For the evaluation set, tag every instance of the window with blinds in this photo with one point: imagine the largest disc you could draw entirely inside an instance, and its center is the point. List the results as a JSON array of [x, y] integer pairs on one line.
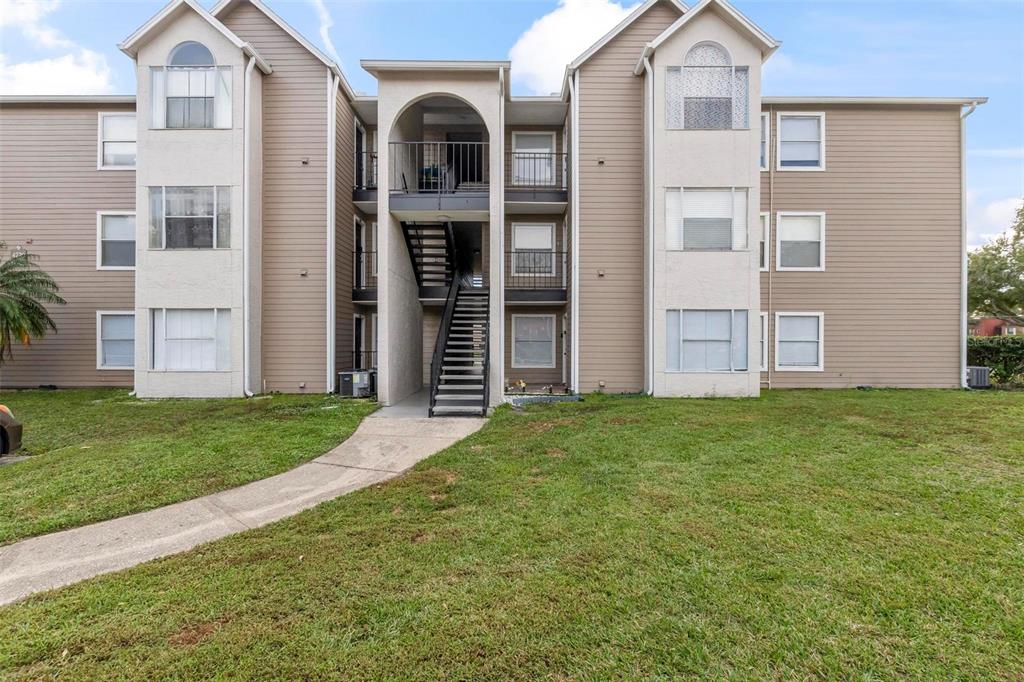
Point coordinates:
[[115, 348], [801, 142], [801, 241], [708, 92], [191, 340], [706, 341], [706, 219], [799, 341], [191, 91], [190, 217]]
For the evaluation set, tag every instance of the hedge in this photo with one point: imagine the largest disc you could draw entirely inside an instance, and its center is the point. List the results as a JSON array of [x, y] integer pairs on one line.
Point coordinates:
[[1003, 354]]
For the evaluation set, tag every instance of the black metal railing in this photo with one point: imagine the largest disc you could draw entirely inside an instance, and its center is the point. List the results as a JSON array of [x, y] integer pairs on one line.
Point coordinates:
[[365, 171], [360, 359], [438, 167], [536, 170], [437, 360], [535, 269], [364, 269]]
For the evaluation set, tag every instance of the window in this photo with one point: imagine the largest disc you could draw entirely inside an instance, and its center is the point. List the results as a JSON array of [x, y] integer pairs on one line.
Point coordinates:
[[115, 339], [115, 240], [801, 142], [707, 92], [766, 228], [533, 341], [533, 248], [116, 148], [800, 241], [191, 340], [799, 342], [765, 136], [706, 341], [191, 91], [533, 159], [706, 219], [764, 342], [190, 217]]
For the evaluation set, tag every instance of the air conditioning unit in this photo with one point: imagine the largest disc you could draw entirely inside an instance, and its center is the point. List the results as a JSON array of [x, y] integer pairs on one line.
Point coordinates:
[[357, 383], [977, 377]]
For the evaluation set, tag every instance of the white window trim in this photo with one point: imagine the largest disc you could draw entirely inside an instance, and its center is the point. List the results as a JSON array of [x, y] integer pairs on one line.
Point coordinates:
[[554, 346], [732, 328], [767, 241], [163, 335], [554, 244], [682, 192], [778, 242], [764, 342], [550, 133], [99, 339], [99, 141], [766, 127], [163, 220], [99, 240], [778, 142], [821, 342]]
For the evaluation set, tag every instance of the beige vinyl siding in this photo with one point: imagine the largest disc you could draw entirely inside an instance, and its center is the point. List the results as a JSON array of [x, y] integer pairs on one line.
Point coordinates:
[[294, 205], [50, 191], [891, 286], [535, 377], [611, 308]]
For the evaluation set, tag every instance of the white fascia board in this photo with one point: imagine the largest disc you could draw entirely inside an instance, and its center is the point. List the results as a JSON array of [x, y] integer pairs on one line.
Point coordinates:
[[374, 66], [67, 99], [622, 25], [225, 6], [934, 101], [767, 43]]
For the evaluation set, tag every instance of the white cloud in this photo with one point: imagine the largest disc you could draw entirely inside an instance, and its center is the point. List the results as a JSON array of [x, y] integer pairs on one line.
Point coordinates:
[[326, 22], [77, 72], [541, 53], [28, 16], [986, 221], [81, 73]]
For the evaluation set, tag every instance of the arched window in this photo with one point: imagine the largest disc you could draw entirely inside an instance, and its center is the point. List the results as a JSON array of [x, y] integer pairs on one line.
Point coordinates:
[[707, 92], [191, 53], [191, 91]]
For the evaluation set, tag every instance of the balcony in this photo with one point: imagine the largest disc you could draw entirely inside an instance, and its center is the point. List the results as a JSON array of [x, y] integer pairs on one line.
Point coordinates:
[[536, 177], [364, 276], [536, 276]]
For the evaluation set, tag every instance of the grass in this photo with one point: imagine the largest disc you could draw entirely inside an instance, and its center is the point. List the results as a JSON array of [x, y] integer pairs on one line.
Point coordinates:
[[98, 454], [807, 534]]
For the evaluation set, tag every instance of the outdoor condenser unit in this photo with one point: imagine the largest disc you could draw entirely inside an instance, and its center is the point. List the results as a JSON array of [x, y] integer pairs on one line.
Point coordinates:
[[357, 383], [977, 377]]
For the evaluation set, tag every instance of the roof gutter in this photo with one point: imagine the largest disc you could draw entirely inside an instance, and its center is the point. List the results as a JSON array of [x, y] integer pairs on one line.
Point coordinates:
[[246, 211], [963, 239]]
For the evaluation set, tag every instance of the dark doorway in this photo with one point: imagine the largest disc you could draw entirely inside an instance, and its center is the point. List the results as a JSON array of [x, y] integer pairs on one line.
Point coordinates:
[[466, 160], [357, 343]]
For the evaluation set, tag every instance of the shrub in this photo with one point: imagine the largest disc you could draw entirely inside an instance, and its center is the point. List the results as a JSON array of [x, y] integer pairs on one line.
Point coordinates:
[[1003, 354]]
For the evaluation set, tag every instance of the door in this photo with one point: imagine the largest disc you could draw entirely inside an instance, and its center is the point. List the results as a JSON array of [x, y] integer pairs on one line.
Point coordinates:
[[359, 274], [357, 342], [533, 159], [360, 156], [465, 159]]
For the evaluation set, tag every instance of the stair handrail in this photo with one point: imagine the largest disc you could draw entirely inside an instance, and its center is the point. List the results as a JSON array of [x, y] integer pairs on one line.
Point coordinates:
[[437, 360], [487, 360]]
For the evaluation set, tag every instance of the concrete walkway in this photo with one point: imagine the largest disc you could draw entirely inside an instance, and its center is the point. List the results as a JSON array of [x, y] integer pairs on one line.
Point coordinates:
[[381, 448]]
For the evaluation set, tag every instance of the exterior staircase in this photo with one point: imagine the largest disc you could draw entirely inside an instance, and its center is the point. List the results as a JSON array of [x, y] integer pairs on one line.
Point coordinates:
[[459, 372], [432, 250]]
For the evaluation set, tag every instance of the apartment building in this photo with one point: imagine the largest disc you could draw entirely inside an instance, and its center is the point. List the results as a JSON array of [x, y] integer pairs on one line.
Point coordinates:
[[248, 223]]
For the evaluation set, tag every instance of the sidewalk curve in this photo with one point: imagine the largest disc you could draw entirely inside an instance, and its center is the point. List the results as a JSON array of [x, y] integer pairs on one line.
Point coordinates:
[[381, 448]]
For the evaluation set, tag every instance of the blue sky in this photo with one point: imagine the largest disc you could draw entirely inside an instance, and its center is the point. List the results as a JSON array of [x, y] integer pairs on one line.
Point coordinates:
[[830, 47]]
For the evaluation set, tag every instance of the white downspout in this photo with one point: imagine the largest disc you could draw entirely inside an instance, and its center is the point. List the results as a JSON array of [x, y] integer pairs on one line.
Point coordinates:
[[501, 236], [963, 243], [650, 224], [574, 90], [246, 189], [332, 93]]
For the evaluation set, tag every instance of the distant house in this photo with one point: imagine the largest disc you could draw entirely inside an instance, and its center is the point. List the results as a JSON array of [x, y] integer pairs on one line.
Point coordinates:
[[994, 326]]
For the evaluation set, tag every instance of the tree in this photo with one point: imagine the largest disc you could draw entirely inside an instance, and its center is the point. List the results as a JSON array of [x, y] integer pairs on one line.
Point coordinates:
[[995, 275], [24, 290]]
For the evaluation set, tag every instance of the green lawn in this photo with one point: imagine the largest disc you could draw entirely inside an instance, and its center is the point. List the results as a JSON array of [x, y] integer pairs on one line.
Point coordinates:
[[98, 454], [807, 534]]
